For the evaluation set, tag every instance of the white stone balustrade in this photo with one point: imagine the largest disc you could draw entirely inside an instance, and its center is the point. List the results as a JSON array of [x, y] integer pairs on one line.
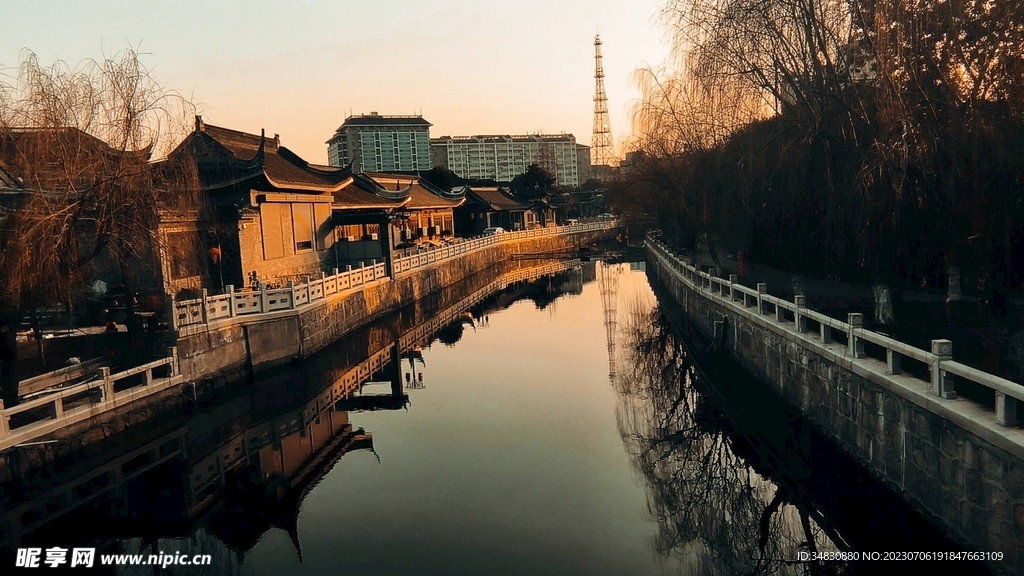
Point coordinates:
[[60, 407], [941, 367], [201, 311]]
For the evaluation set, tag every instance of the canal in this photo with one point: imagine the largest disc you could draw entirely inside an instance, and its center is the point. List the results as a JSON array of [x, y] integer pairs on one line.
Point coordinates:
[[557, 426]]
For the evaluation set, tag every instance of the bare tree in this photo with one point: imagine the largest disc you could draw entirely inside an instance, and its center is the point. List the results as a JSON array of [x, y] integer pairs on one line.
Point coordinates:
[[82, 141]]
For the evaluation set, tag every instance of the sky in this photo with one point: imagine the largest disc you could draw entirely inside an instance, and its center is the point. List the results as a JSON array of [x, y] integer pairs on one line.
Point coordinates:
[[297, 68]]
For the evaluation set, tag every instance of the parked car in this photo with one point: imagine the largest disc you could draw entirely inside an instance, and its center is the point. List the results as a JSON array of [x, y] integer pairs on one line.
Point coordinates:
[[493, 231], [606, 216], [571, 222]]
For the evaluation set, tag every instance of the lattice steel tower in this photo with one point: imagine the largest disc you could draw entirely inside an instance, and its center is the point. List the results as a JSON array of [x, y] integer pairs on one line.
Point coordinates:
[[608, 285], [601, 143]]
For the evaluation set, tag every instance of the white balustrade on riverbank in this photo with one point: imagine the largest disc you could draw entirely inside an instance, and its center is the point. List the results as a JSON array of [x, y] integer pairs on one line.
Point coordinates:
[[203, 310], [55, 408], [796, 318]]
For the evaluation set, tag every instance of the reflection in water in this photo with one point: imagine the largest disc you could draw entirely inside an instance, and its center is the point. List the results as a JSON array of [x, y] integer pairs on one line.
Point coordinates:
[[218, 481], [711, 506], [500, 451], [740, 482]]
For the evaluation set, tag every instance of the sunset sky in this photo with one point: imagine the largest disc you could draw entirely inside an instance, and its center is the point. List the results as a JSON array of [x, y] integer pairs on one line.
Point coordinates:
[[297, 68]]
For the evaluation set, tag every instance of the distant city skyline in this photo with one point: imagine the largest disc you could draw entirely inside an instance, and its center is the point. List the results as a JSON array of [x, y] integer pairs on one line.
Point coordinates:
[[298, 69]]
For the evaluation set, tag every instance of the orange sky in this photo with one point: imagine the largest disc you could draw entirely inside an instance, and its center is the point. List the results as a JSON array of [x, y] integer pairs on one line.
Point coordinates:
[[298, 68]]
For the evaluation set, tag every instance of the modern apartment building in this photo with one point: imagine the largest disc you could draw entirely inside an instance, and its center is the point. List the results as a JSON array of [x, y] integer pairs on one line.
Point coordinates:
[[502, 158], [583, 162], [375, 143]]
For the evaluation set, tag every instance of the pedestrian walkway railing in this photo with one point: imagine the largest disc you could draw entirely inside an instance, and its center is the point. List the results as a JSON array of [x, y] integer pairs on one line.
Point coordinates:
[[203, 310], [844, 338], [102, 391]]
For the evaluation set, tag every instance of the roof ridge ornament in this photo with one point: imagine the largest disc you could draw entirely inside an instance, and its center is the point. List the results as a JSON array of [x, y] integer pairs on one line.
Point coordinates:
[[261, 151]]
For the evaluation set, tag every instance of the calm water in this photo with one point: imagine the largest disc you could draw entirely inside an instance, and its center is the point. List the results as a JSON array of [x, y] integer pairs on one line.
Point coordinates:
[[509, 460], [529, 444]]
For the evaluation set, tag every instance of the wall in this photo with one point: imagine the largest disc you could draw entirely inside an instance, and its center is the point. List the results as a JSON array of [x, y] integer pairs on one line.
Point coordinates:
[[945, 457], [291, 266], [248, 343]]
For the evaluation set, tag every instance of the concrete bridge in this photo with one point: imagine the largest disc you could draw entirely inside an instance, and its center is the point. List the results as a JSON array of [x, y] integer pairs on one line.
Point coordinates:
[[891, 406]]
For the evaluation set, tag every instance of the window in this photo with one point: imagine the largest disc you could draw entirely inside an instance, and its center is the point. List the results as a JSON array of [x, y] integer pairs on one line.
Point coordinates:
[[182, 247], [358, 232], [302, 225], [322, 221], [273, 237]]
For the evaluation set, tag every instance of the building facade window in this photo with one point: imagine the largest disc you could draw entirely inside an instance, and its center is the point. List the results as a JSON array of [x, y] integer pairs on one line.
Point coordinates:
[[302, 226]]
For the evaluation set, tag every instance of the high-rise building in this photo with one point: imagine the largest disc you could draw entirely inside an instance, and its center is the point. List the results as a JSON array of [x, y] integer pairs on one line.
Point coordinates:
[[502, 158], [375, 143], [583, 162]]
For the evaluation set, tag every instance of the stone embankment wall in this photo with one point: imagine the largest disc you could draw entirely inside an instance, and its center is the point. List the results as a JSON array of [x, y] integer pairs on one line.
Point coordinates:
[[252, 344], [945, 456]]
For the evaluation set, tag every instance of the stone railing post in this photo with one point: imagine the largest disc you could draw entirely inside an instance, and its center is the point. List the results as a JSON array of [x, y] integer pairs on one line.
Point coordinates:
[[172, 352], [291, 293], [1006, 409], [854, 345], [108, 385], [780, 313], [4, 427], [306, 285], [264, 301], [173, 315], [942, 382], [206, 308], [762, 288], [800, 301], [231, 300], [893, 362], [733, 279], [826, 333]]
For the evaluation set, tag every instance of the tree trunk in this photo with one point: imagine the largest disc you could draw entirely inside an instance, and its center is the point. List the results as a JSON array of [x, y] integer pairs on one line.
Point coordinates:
[[953, 273], [136, 335], [37, 333], [8, 358], [883, 305]]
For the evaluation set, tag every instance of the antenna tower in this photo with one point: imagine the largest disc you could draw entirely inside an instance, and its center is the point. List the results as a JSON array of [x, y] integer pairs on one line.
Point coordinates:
[[608, 285], [601, 143]]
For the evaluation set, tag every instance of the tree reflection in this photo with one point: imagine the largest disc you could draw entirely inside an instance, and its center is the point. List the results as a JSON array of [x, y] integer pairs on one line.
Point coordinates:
[[714, 508]]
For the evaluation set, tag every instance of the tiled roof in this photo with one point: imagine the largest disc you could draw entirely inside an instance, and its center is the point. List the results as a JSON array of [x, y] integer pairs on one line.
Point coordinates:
[[421, 193], [63, 159], [226, 158], [7, 180], [282, 167], [496, 198]]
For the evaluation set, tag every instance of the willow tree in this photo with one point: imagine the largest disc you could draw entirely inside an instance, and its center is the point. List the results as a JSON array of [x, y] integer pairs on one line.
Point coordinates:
[[82, 141], [868, 139]]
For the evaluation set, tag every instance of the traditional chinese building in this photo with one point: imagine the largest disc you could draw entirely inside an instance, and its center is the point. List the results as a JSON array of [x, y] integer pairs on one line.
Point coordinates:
[[429, 214], [270, 216], [488, 207]]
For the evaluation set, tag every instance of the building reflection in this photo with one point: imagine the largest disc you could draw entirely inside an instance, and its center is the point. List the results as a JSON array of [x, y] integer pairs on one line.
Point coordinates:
[[223, 476]]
